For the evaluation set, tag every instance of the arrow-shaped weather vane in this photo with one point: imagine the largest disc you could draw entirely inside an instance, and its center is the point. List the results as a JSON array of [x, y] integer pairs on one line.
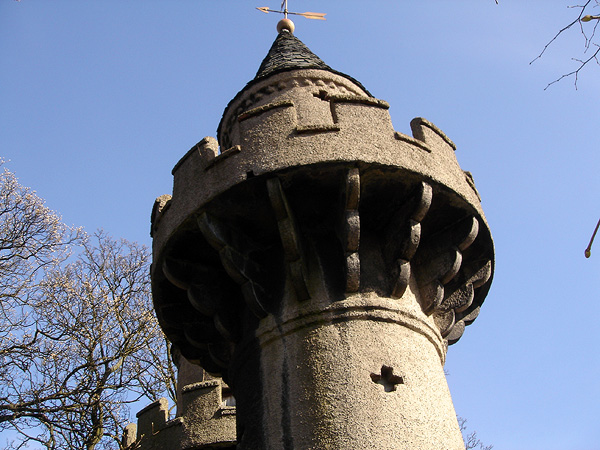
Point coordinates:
[[285, 12]]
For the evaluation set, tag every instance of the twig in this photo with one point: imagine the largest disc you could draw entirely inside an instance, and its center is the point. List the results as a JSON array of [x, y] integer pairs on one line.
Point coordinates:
[[588, 250], [588, 42], [576, 72]]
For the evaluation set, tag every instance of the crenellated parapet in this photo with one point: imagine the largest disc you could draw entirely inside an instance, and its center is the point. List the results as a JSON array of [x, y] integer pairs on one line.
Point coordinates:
[[203, 421]]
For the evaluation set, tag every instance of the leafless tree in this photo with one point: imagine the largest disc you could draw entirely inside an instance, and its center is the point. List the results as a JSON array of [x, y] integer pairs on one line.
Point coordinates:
[[31, 238], [470, 439], [586, 23], [79, 341]]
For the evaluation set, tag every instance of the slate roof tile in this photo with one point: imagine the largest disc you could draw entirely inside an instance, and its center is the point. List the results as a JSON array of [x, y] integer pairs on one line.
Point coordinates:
[[289, 53]]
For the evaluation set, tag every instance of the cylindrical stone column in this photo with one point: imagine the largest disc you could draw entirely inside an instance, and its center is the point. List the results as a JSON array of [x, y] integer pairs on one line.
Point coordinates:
[[362, 373]]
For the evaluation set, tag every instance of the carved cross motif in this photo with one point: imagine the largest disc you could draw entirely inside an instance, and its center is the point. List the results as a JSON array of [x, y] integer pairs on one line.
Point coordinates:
[[387, 379], [315, 114]]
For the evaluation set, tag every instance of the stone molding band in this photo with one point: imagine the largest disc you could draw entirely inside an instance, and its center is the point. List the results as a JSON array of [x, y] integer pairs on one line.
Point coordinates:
[[373, 309]]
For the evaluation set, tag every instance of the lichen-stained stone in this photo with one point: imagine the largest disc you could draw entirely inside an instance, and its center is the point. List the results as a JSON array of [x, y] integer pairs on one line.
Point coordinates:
[[315, 257]]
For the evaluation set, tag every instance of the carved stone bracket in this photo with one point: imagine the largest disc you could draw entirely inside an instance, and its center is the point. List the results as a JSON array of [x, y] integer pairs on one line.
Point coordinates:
[[351, 230], [457, 310], [439, 261], [211, 320], [403, 235], [447, 280], [238, 265], [290, 238]]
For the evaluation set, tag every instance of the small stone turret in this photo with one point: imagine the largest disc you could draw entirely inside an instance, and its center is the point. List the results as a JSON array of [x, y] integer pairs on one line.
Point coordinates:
[[205, 417], [321, 262]]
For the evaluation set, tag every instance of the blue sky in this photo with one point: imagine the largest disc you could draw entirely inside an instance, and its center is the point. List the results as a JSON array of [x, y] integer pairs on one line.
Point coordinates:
[[100, 98]]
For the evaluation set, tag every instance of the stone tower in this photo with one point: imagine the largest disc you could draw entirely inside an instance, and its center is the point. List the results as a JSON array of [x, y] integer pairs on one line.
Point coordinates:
[[321, 263], [205, 416]]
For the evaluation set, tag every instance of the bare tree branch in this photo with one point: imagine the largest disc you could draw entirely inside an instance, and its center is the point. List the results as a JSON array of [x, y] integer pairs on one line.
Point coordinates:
[[582, 64], [471, 441], [589, 40]]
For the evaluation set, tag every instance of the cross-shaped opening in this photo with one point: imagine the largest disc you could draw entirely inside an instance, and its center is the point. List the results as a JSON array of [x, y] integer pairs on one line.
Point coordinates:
[[387, 379]]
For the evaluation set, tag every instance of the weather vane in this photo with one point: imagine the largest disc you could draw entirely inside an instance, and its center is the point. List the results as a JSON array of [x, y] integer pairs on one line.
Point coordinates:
[[287, 23]]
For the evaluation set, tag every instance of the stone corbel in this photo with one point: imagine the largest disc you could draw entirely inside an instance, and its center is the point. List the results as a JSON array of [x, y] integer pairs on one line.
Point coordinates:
[[290, 238], [403, 236], [351, 230], [236, 260]]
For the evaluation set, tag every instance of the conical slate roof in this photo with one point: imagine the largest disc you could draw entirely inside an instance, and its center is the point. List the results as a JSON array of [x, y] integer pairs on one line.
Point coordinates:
[[289, 53]]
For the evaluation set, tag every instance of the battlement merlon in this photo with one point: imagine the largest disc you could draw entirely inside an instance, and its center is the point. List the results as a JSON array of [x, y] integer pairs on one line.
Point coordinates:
[[153, 417]]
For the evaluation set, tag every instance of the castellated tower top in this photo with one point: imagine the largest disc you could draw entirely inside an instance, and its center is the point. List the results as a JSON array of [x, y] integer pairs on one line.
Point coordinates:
[[322, 262]]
